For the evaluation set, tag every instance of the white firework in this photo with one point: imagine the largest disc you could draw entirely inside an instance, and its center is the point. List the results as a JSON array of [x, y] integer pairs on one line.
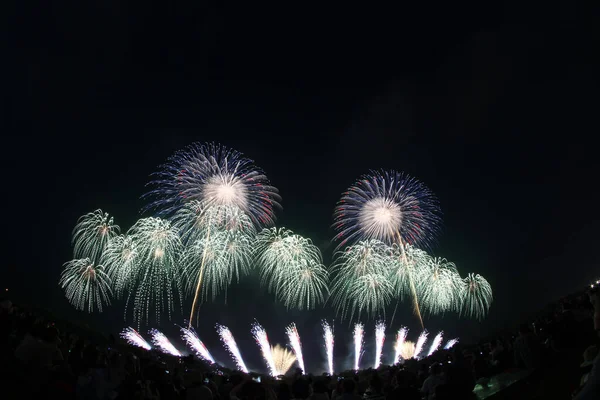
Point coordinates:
[[163, 343], [121, 260], [194, 342], [260, 335], [231, 346], [328, 338], [92, 233], [420, 343], [86, 285], [379, 340], [450, 343], [135, 339], [294, 339], [437, 342], [438, 284], [359, 332], [399, 345]]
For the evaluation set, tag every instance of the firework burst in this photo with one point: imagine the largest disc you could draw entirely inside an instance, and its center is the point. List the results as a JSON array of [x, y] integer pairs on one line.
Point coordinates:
[[163, 343], [328, 338], [438, 284], [359, 332], [379, 340], [398, 346], [283, 359], [260, 335], [420, 343], [450, 343], [194, 342], [135, 339], [231, 346], [86, 285], [476, 296], [407, 350], [291, 267], [121, 260], [92, 233], [157, 273], [215, 175], [437, 342], [294, 339]]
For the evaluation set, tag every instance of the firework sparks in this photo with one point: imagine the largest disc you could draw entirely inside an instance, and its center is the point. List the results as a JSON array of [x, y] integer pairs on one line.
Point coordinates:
[[231, 347], [359, 332], [420, 343], [398, 346], [450, 343], [438, 284], [294, 339], [437, 341], [194, 342], [260, 335], [476, 296], [135, 339], [328, 338], [121, 260], [163, 343], [379, 340], [86, 285], [92, 233], [407, 350], [283, 359]]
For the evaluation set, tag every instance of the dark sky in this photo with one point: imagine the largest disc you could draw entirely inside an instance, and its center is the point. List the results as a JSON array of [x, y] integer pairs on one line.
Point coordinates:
[[494, 109]]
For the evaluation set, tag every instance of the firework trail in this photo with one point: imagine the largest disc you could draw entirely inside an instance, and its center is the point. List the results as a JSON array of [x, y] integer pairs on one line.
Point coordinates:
[[86, 285], [379, 340], [420, 343], [160, 341], [359, 332], [231, 346], [400, 339], [260, 335], [437, 341], [450, 343], [294, 339], [194, 342], [134, 338], [328, 338], [283, 359]]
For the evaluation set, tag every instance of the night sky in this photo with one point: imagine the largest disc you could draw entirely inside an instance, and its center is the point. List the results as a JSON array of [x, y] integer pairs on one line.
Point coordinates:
[[495, 110]]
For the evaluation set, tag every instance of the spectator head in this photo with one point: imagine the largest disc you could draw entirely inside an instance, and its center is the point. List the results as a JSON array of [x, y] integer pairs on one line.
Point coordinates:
[[301, 389], [348, 386]]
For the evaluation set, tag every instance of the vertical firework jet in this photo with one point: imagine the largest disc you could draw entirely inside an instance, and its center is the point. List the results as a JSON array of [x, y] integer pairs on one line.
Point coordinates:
[[437, 341], [328, 337], [231, 346], [294, 339], [400, 339], [450, 343], [194, 342], [160, 340], [359, 332], [134, 338], [420, 343], [379, 340], [260, 335]]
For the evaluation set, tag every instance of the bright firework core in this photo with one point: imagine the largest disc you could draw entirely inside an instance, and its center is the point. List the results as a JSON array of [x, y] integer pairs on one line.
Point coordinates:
[[226, 190], [381, 217]]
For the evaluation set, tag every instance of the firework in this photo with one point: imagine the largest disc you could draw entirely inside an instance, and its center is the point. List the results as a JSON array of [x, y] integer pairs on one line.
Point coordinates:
[[291, 267], [407, 350], [92, 233], [121, 260], [407, 262], [134, 338], [361, 279], [438, 284], [399, 345], [194, 342], [328, 338], [215, 175], [450, 343], [476, 296], [437, 341], [379, 340], [231, 346], [163, 343], [283, 359], [359, 333], [260, 335], [420, 343], [387, 205], [86, 285], [294, 339], [157, 272]]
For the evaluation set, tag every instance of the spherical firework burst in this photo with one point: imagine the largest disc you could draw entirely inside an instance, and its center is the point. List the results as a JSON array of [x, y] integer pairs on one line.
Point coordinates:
[[86, 285], [438, 284], [283, 359], [476, 296], [388, 206], [361, 279], [215, 175], [92, 233], [291, 267], [135, 339], [157, 273], [121, 260]]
